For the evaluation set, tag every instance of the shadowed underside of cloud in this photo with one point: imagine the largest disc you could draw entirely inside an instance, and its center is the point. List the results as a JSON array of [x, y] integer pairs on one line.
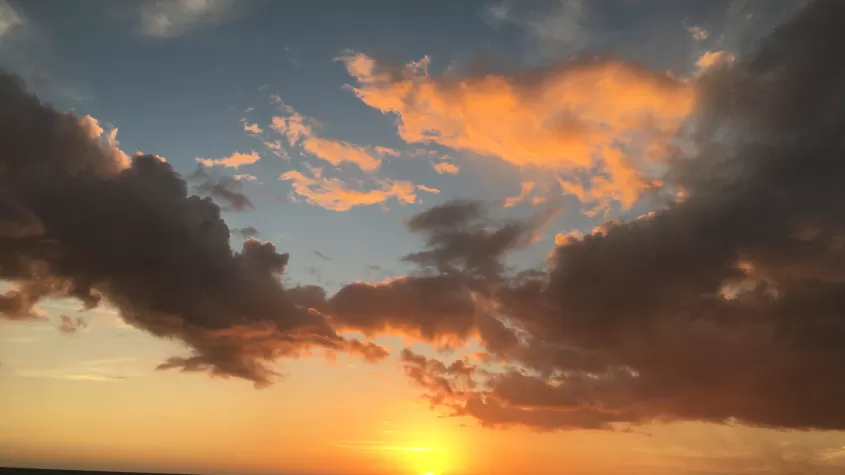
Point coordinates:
[[726, 307], [225, 191], [90, 225]]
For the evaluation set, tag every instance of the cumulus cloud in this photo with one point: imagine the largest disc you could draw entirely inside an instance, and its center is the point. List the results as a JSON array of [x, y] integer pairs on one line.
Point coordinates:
[[177, 17], [446, 168], [632, 324], [135, 237], [336, 195], [443, 302], [234, 160], [606, 119]]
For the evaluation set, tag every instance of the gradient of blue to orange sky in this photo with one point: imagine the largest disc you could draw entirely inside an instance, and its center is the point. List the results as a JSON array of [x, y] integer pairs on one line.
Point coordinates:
[[343, 132]]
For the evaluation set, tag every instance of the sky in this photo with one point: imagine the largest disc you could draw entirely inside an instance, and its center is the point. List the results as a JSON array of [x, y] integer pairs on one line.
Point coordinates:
[[467, 237]]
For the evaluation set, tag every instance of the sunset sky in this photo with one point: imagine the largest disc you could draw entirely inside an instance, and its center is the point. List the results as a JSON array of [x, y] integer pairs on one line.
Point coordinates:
[[466, 237]]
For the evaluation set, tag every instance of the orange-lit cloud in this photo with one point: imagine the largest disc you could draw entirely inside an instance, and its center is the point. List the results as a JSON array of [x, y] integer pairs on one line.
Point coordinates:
[[251, 128], [606, 118], [338, 151], [428, 189], [713, 58], [336, 195], [562, 239], [446, 168], [91, 127], [275, 147], [301, 130], [234, 160], [526, 188]]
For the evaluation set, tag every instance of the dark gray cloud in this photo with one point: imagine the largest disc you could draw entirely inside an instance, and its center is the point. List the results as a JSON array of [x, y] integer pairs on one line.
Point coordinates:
[[321, 255], [726, 306], [462, 260], [247, 232], [224, 190], [129, 232]]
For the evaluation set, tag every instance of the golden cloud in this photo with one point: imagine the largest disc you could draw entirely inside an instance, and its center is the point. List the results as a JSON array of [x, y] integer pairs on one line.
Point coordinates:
[[336, 195], [607, 119], [234, 160]]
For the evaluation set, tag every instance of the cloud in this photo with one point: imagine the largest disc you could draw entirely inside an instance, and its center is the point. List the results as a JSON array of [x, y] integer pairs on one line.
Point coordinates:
[[9, 19], [275, 146], [336, 195], [337, 152], [606, 119], [632, 324], [245, 177], [177, 17], [321, 255], [134, 237], [714, 58], [446, 168], [19, 302], [428, 189], [94, 131], [69, 325], [224, 190], [251, 128], [247, 232], [234, 160], [463, 256], [526, 188], [562, 239], [698, 33], [300, 130], [557, 32]]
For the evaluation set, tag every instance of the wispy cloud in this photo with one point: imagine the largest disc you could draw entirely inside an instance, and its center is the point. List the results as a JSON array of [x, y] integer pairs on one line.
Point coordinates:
[[301, 131], [174, 18], [526, 188], [9, 19], [234, 160], [446, 168], [70, 325], [555, 32], [337, 195], [698, 33], [95, 370], [251, 127]]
